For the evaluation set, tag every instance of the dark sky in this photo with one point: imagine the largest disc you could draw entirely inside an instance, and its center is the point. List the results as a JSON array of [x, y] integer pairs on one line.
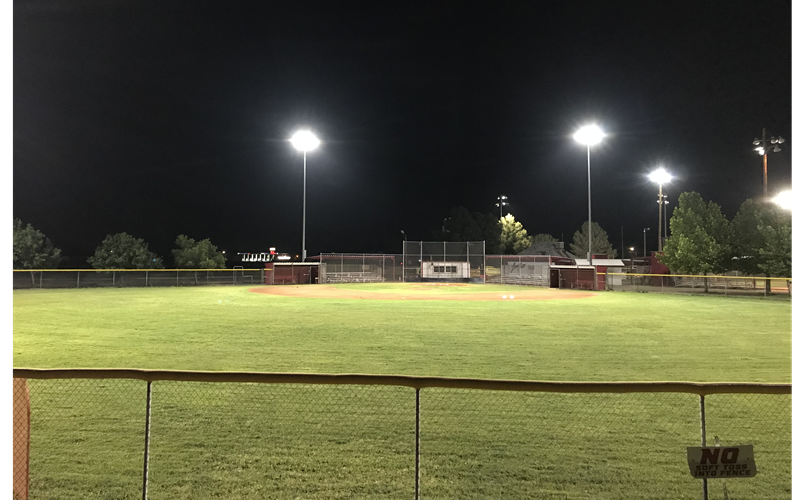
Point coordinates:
[[161, 118]]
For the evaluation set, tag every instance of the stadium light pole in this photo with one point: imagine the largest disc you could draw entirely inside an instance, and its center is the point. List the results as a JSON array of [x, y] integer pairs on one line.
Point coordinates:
[[660, 177], [762, 149], [589, 135], [644, 240], [501, 202], [304, 141]]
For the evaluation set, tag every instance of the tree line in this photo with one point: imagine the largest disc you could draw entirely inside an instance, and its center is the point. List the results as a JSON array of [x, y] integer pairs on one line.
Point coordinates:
[[507, 236], [33, 250], [703, 241], [757, 241]]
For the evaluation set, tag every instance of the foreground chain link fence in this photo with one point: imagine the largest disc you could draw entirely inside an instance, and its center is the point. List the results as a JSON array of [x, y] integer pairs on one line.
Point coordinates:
[[92, 278], [110, 434]]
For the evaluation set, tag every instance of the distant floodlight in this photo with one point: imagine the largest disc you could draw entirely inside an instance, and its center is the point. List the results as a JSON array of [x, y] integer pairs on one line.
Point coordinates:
[[589, 135], [783, 200], [660, 176], [304, 140], [756, 142]]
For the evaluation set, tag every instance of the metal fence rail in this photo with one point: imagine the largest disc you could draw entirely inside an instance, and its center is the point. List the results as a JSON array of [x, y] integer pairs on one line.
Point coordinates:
[[95, 278], [169, 434]]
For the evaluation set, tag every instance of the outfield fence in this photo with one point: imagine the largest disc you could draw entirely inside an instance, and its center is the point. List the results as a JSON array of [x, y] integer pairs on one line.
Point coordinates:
[[716, 284], [95, 278], [168, 434]]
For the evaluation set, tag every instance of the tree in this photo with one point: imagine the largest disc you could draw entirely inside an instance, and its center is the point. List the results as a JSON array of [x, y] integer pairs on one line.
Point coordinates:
[[601, 243], [761, 240], [123, 251], [775, 254], [32, 249], [513, 237], [747, 239], [192, 254], [700, 238], [462, 225], [545, 238]]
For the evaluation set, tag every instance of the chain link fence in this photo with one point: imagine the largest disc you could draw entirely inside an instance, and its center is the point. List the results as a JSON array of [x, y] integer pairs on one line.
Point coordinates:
[[360, 268], [730, 284], [95, 278], [202, 435], [533, 270], [444, 261]]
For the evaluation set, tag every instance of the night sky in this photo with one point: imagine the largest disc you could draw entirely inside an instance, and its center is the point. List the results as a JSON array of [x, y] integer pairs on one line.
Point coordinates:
[[161, 118]]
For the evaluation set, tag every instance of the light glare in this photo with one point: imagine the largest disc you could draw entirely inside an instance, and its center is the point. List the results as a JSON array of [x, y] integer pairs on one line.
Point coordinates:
[[783, 200], [589, 135], [304, 140], [660, 176]]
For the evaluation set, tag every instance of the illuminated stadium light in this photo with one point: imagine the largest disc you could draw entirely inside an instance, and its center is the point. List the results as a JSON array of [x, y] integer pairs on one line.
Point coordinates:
[[660, 177], [784, 200], [304, 140], [589, 135]]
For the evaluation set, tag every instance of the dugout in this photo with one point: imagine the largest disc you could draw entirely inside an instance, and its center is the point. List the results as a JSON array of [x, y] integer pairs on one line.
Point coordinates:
[[292, 273], [573, 277]]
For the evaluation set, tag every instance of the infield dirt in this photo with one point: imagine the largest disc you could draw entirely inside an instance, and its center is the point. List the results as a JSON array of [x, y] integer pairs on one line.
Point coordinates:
[[417, 292]]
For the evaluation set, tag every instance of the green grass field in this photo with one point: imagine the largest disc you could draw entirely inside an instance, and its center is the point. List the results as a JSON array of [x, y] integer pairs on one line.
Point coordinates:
[[255, 441]]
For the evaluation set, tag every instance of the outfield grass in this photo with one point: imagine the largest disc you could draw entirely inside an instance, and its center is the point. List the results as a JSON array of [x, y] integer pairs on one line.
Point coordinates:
[[282, 441], [616, 336]]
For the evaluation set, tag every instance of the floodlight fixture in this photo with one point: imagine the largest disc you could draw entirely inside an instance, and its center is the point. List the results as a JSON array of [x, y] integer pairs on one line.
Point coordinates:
[[784, 200], [763, 149], [589, 135], [660, 177], [304, 140]]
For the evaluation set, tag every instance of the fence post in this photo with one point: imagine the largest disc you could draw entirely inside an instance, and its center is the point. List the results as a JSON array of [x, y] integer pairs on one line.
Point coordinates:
[[113, 278], [146, 278], [147, 439], [43, 272], [177, 277], [704, 443], [78, 279], [416, 451]]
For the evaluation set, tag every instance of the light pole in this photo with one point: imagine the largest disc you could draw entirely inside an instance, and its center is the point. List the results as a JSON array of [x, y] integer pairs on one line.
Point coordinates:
[[660, 176], [589, 135], [665, 219], [644, 240], [404, 237], [502, 201], [762, 149], [304, 141]]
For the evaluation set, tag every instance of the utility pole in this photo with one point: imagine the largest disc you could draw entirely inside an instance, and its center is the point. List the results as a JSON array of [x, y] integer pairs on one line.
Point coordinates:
[[644, 239]]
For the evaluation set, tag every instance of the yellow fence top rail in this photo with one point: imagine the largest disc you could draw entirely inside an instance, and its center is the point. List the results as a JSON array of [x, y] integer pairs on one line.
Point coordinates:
[[700, 276], [405, 380], [129, 270]]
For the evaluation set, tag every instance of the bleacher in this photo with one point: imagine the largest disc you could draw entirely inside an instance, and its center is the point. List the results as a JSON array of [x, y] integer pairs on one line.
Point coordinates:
[[353, 277], [736, 282], [520, 279]]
